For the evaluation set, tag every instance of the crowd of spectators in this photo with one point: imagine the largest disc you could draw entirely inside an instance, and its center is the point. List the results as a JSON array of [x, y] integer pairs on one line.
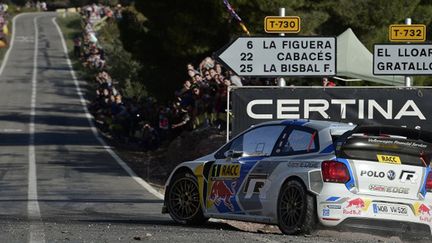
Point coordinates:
[[199, 103], [125, 119], [38, 5], [3, 23]]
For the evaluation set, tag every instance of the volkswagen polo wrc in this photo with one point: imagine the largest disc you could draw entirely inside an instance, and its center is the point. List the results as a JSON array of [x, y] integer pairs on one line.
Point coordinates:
[[297, 173]]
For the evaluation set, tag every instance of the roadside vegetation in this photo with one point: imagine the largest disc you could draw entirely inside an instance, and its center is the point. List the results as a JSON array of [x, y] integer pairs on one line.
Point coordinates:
[[166, 35]]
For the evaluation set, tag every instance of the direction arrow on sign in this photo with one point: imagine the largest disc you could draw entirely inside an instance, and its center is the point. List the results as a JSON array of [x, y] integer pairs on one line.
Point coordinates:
[[280, 56]]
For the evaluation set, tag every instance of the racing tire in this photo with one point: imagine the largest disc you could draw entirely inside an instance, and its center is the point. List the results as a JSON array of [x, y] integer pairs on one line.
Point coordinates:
[[296, 209], [183, 201]]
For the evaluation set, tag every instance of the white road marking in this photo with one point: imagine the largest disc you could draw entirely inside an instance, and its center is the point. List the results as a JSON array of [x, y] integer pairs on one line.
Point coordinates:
[[138, 179], [36, 232], [6, 57], [11, 130], [33, 210], [29, 39]]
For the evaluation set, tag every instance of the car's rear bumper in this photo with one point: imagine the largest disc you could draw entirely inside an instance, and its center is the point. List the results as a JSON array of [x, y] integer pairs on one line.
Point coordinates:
[[383, 226], [337, 209]]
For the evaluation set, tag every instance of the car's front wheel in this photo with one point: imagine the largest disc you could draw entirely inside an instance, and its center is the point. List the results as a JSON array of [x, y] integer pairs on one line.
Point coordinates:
[[183, 200], [296, 209]]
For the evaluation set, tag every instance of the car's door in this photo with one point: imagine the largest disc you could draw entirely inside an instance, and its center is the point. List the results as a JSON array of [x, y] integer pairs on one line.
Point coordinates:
[[228, 175]]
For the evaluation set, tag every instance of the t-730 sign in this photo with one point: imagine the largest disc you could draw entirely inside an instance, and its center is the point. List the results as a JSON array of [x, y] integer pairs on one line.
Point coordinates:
[[281, 56], [286, 24]]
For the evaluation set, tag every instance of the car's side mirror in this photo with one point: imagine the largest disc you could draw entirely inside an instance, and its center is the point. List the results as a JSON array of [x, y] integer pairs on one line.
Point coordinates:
[[233, 154]]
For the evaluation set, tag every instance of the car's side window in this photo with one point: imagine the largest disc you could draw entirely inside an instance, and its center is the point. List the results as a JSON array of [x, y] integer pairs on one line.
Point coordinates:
[[299, 141], [237, 144], [259, 141]]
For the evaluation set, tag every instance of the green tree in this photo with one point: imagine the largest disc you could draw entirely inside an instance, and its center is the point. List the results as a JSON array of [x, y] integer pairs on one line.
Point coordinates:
[[165, 35], [170, 35]]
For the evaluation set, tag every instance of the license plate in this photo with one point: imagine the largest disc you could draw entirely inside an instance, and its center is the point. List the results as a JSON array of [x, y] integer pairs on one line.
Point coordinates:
[[381, 208]]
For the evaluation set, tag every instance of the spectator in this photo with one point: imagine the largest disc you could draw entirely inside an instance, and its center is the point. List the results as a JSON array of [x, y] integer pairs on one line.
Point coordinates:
[[43, 6], [164, 124], [328, 83], [150, 138], [77, 46]]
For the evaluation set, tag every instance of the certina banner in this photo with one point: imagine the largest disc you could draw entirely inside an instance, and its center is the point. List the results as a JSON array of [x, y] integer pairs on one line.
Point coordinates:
[[402, 59], [373, 106], [281, 56]]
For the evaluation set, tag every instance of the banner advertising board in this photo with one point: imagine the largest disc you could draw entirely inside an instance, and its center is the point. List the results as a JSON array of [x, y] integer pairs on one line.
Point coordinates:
[[400, 106]]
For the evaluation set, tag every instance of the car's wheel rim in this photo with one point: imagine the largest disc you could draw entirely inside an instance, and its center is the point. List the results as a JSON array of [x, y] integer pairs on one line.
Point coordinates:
[[291, 207], [184, 198]]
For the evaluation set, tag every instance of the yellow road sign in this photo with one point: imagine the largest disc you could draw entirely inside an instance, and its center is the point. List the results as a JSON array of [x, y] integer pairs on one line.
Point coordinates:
[[407, 33], [278, 24]]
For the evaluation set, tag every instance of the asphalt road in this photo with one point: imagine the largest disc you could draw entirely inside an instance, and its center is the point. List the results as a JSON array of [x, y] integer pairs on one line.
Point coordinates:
[[59, 182]]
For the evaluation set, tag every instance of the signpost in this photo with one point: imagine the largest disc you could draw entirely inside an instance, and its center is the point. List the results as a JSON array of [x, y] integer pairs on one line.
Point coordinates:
[[407, 33], [278, 24], [280, 56]]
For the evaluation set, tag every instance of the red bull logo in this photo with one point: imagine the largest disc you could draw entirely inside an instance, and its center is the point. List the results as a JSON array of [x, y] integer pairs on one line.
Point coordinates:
[[357, 203], [221, 193], [356, 206], [424, 210]]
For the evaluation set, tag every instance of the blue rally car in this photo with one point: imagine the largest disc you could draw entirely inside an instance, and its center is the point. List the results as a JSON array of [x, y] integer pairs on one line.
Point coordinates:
[[298, 173]]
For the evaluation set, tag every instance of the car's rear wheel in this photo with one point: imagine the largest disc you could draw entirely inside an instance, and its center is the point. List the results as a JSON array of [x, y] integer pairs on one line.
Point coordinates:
[[183, 200], [296, 209]]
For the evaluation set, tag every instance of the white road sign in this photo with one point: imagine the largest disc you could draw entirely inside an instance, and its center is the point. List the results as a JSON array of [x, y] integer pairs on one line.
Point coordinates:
[[402, 59], [281, 56]]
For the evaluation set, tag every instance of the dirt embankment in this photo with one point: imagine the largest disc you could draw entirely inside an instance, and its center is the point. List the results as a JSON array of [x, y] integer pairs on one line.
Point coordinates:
[[155, 166]]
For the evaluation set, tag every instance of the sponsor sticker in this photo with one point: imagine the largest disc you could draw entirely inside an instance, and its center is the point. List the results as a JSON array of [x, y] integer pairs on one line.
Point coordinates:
[[221, 193], [390, 189], [255, 185], [383, 208], [390, 159], [326, 212], [356, 206], [408, 175], [332, 199], [333, 206], [304, 164], [225, 171], [423, 211]]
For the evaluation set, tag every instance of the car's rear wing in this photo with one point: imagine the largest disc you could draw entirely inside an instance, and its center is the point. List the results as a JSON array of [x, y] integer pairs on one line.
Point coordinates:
[[410, 146], [409, 133]]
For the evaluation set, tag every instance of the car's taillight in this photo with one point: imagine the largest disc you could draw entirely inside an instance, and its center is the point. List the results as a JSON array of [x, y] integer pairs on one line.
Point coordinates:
[[429, 182], [334, 171]]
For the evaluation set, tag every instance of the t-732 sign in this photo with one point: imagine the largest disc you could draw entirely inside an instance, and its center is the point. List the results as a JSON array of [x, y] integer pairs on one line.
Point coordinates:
[[281, 56], [407, 33]]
